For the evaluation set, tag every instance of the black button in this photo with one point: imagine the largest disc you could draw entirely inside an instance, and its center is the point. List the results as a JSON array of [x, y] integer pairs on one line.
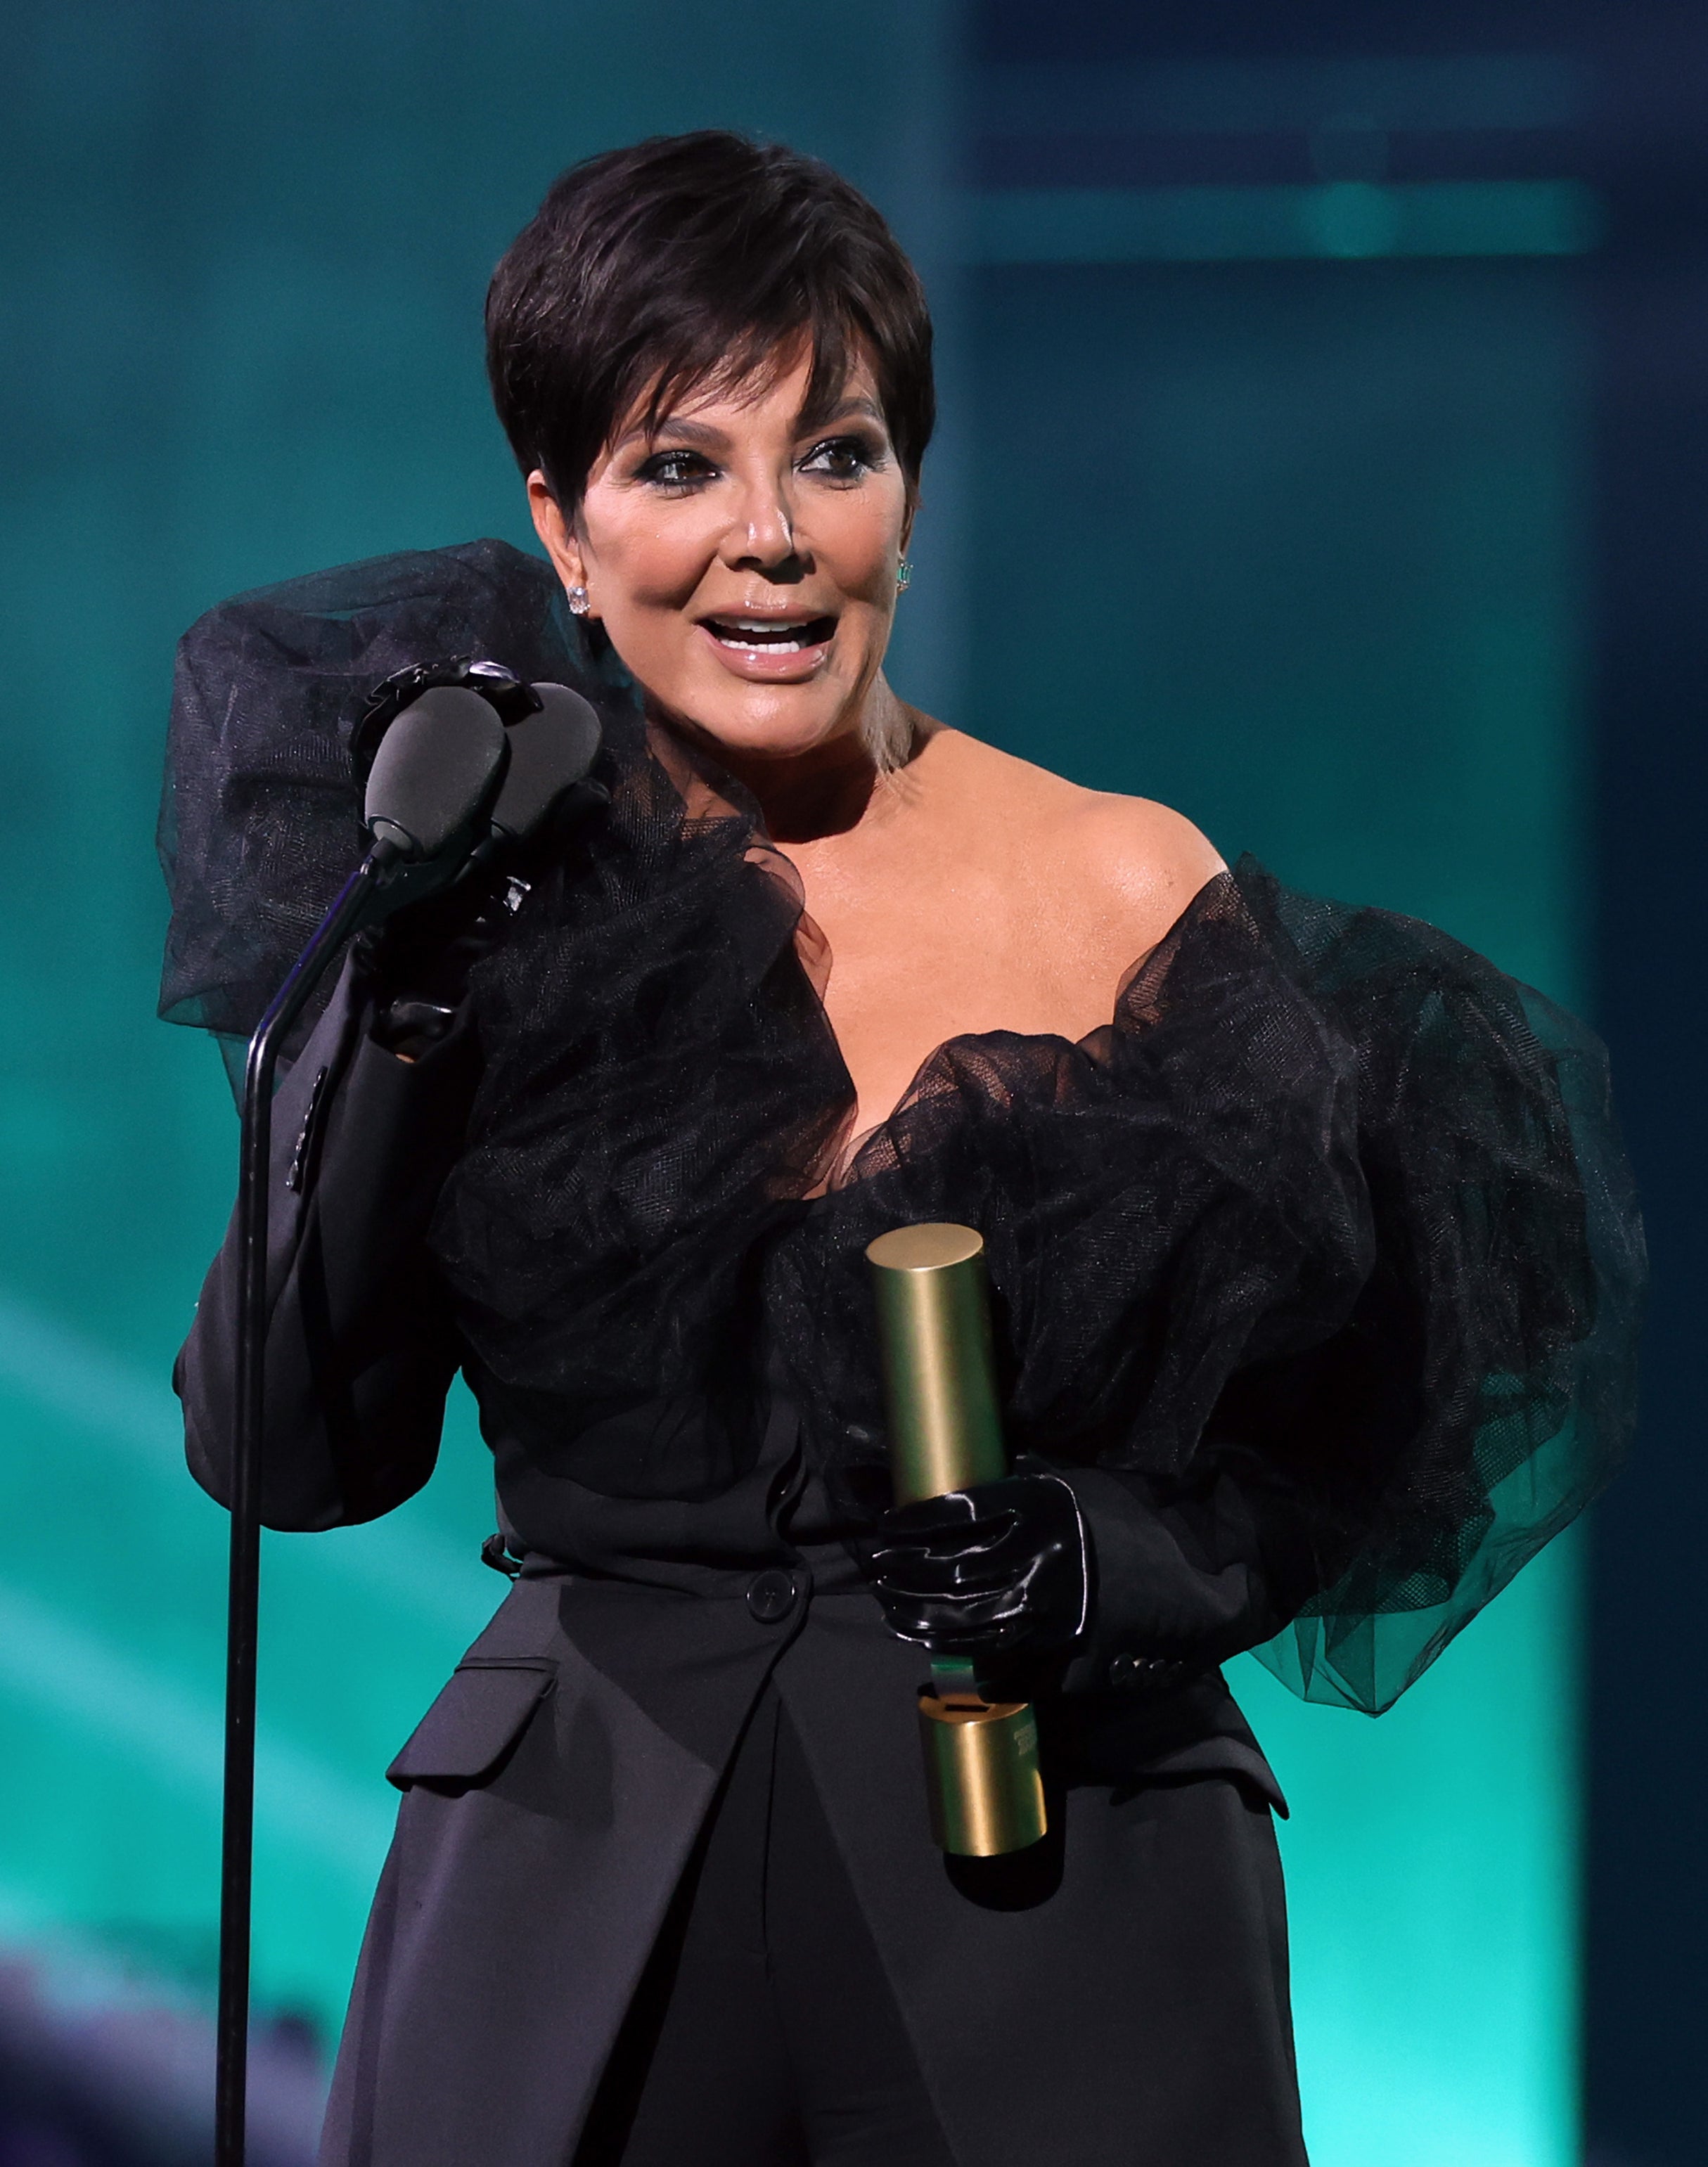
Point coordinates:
[[772, 1596], [1145, 1673]]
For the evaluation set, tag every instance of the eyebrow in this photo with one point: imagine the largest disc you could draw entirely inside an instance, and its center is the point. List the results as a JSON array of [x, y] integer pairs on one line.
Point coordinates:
[[699, 433], [844, 411]]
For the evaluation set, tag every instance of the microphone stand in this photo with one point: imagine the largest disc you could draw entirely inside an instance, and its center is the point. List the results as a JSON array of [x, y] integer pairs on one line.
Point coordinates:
[[236, 1852], [436, 771]]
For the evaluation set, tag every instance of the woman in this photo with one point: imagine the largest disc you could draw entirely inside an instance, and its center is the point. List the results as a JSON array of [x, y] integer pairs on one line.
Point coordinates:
[[1314, 1263]]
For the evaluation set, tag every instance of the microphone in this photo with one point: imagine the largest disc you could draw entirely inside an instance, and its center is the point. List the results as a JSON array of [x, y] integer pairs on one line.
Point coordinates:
[[452, 786], [437, 770], [550, 752]]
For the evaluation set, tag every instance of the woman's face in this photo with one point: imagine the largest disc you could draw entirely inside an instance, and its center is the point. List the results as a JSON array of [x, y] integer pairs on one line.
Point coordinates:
[[744, 565]]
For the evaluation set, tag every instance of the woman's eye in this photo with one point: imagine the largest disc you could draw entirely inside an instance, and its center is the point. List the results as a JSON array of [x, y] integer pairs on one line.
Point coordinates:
[[841, 459], [675, 469]]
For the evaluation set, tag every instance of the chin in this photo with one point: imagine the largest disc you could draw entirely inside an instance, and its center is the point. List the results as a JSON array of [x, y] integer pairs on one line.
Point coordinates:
[[779, 729]]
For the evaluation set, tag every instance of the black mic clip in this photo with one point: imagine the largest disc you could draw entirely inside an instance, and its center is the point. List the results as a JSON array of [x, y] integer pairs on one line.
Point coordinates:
[[509, 697]]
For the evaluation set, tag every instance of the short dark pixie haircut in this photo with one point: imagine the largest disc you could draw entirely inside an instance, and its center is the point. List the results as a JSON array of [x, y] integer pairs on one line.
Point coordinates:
[[690, 261]]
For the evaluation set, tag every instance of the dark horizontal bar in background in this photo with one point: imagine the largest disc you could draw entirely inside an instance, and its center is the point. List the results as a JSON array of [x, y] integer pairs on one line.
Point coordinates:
[[1454, 91]]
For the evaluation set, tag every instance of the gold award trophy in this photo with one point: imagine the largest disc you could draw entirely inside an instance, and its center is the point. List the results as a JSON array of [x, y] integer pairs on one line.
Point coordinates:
[[982, 1780]]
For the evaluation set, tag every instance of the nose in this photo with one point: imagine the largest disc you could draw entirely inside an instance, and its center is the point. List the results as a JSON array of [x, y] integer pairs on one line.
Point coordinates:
[[761, 536]]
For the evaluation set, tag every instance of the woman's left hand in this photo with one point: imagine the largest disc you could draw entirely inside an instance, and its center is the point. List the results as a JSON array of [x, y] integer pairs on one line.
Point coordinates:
[[998, 1571]]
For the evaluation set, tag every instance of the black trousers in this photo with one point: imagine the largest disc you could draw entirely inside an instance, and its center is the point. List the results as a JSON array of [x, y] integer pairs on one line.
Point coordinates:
[[764, 2033]]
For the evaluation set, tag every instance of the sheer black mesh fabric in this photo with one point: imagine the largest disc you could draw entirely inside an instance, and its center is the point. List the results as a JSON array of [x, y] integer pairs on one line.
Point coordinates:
[[1331, 1211], [660, 1085], [260, 818]]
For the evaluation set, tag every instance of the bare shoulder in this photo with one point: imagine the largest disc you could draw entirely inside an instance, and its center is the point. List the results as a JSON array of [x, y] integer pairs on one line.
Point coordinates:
[[1124, 858], [1143, 851]]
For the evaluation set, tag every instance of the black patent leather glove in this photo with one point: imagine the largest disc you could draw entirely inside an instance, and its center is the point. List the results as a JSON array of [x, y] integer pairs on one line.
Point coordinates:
[[418, 962], [995, 1573]]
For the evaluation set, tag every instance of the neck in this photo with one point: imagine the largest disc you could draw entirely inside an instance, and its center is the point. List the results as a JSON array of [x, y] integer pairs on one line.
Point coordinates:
[[805, 796]]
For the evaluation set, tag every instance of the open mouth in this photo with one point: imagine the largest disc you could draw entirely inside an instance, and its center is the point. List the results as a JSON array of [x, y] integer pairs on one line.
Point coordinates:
[[763, 635]]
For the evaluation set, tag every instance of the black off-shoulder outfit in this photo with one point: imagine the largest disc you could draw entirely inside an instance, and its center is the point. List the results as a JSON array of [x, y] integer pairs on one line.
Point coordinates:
[[1316, 1274]]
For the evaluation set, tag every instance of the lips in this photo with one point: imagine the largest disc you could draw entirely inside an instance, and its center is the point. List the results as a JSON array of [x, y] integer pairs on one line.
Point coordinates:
[[770, 635]]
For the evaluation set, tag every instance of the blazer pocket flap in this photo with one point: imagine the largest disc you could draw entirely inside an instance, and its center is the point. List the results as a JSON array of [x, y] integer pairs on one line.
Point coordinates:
[[1221, 1756], [474, 1722]]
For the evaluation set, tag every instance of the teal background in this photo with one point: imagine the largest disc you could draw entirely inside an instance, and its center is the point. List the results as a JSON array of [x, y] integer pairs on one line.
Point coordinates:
[[1293, 546]]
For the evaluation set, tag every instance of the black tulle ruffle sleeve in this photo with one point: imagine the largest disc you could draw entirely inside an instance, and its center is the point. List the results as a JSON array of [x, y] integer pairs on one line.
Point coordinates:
[[1334, 1209], [260, 816], [1331, 1210]]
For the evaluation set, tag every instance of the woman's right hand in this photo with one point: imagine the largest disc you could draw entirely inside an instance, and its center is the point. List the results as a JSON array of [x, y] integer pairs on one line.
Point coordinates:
[[417, 964]]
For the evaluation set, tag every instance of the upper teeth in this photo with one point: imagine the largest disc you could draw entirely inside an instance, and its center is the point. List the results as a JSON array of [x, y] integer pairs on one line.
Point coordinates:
[[758, 624]]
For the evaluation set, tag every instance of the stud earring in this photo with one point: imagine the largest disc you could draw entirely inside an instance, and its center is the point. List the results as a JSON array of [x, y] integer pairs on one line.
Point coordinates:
[[904, 573], [578, 601]]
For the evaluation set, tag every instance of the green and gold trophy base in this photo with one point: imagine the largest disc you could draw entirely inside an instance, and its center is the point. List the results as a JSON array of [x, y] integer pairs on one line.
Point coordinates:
[[984, 1790]]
